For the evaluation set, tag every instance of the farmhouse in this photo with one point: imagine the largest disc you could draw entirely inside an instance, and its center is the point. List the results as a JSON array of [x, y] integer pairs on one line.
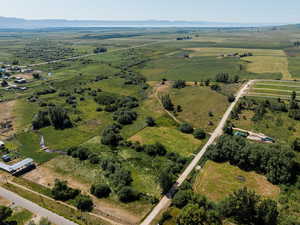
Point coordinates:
[[18, 167]]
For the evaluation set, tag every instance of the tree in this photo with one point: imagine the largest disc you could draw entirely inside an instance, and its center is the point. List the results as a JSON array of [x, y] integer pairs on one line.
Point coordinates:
[[100, 190], [62, 192], [199, 134], [267, 212], [36, 76], [40, 120], [111, 136], [182, 198], [167, 102], [186, 128], [231, 98], [150, 122], [100, 50], [15, 62], [5, 212], [166, 181], [296, 144], [84, 203], [44, 221], [4, 83], [192, 214], [222, 77], [127, 194], [179, 84], [59, 118]]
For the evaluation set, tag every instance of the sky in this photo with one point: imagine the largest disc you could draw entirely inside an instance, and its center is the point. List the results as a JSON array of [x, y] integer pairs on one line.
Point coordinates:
[[242, 11]]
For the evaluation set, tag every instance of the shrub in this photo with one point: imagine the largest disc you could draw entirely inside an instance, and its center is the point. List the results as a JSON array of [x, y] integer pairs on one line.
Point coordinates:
[[127, 194], [62, 192], [84, 203], [100, 190], [199, 134], [179, 84], [186, 128], [150, 122]]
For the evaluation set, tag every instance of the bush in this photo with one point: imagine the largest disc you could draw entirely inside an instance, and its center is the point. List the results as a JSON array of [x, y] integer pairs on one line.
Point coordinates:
[[62, 192], [231, 98], [100, 190], [150, 122], [127, 194], [296, 144], [167, 102], [179, 84], [59, 118], [84, 203], [186, 128], [199, 134]]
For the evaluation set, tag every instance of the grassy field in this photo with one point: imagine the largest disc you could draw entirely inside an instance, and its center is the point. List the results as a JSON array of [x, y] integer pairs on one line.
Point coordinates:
[[172, 139], [196, 103], [263, 61], [217, 180], [20, 217], [275, 89]]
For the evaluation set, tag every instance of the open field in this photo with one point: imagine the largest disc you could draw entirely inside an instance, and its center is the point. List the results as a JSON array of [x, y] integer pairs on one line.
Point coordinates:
[[172, 139], [217, 180], [263, 60], [280, 89], [196, 103], [135, 72]]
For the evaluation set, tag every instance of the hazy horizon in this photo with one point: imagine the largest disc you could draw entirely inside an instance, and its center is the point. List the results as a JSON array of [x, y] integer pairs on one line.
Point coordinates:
[[228, 11]]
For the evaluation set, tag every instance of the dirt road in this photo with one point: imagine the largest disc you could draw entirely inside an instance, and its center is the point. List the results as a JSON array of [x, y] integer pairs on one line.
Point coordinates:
[[166, 201]]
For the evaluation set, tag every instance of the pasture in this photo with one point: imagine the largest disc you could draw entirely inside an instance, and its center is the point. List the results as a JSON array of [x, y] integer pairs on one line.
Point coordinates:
[[171, 138], [217, 180], [197, 102], [263, 61]]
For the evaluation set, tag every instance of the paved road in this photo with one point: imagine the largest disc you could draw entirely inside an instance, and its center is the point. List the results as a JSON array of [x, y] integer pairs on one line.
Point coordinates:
[[93, 54], [166, 201], [36, 209]]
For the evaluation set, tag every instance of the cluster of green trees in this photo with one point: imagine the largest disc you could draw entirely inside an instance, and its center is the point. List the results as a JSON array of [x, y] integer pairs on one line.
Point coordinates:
[[55, 116], [188, 129], [5, 213], [179, 84], [226, 78], [125, 116], [242, 207], [100, 50], [120, 179], [156, 149], [111, 135], [61, 191], [276, 162], [261, 107], [46, 91], [46, 51], [167, 102]]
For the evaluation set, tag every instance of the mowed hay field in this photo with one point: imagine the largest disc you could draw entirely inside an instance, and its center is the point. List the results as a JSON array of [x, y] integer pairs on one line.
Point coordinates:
[[171, 138], [217, 180], [263, 60], [196, 103]]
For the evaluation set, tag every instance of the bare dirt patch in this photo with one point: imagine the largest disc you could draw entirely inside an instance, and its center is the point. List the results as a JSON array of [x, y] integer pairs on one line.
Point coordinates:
[[24, 75], [6, 115], [45, 175]]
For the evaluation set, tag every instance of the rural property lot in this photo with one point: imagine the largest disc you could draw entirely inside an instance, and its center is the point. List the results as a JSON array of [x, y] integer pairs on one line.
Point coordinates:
[[217, 180], [262, 61]]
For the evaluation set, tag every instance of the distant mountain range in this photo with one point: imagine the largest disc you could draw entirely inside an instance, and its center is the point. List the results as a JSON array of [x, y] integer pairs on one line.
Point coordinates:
[[7, 22]]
